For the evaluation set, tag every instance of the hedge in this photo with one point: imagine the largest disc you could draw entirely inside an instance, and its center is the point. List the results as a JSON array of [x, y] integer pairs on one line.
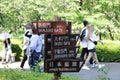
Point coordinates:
[[16, 49], [109, 52]]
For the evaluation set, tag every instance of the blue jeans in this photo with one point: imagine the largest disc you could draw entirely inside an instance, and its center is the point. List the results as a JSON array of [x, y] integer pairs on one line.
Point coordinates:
[[34, 58]]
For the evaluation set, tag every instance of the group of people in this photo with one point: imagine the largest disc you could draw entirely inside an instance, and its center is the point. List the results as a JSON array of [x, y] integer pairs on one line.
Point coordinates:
[[88, 44], [33, 46]]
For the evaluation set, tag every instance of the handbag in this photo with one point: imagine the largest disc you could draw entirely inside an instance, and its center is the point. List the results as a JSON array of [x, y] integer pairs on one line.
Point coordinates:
[[95, 42]]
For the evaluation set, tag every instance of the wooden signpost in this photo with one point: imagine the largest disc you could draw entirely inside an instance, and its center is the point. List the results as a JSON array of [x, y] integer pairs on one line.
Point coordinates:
[[60, 47]]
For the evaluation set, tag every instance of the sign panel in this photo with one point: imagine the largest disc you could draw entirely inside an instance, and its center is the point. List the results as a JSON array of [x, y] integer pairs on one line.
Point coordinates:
[[64, 40], [65, 52], [64, 65], [51, 27]]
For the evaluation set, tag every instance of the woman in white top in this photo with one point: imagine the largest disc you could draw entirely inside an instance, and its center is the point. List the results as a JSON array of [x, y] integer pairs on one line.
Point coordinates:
[[26, 42], [7, 51], [91, 38]]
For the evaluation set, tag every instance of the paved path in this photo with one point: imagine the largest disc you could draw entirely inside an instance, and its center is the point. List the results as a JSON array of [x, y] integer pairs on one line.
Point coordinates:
[[92, 74], [15, 65]]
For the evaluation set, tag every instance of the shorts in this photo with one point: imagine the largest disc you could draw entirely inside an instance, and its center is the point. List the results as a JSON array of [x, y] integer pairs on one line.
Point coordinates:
[[92, 50]]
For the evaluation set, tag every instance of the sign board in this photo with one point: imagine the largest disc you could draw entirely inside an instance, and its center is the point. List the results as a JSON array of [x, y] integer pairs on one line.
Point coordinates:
[[63, 65], [60, 46], [65, 52], [52, 27]]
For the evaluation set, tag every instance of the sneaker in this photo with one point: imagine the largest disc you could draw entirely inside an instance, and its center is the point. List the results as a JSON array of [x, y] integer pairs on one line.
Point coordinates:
[[93, 65], [85, 67], [4, 62], [101, 65], [22, 69]]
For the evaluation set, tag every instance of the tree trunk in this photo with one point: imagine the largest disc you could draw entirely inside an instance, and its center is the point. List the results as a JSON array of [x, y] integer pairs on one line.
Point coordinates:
[[100, 35], [81, 2], [110, 33]]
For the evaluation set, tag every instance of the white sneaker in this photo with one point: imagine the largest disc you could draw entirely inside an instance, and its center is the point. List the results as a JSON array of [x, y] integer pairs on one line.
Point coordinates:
[[101, 65], [94, 65], [85, 67]]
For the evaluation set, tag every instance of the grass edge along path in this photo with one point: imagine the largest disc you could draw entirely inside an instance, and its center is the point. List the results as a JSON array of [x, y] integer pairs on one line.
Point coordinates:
[[10, 74]]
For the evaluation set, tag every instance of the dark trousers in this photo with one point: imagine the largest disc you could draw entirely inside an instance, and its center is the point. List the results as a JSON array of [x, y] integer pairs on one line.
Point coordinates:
[[24, 59], [34, 58], [85, 51]]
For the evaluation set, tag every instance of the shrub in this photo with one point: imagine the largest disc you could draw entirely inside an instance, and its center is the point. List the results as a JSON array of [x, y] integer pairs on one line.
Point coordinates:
[[16, 49], [109, 52]]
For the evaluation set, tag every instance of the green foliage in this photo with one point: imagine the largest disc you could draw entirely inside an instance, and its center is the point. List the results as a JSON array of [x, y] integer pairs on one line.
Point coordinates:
[[103, 74], [101, 13], [16, 49], [109, 52], [26, 75]]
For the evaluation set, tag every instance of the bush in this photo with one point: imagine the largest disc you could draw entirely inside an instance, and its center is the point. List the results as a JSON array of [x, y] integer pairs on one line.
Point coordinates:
[[16, 49], [109, 52]]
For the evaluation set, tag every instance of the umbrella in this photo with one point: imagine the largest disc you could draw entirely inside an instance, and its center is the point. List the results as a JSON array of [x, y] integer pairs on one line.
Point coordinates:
[[4, 36]]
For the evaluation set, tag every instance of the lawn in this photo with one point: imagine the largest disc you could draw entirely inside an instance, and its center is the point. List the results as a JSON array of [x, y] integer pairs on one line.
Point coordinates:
[[10, 74]]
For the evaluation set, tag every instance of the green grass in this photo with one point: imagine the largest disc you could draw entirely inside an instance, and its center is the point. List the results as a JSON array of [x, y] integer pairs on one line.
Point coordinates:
[[10, 74]]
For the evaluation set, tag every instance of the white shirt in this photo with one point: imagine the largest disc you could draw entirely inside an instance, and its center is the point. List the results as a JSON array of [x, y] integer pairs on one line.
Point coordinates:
[[36, 43], [83, 42], [90, 44], [25, 41]]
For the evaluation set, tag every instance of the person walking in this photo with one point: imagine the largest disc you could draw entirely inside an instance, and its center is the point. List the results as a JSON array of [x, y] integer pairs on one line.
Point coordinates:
[[84, 52], [83, 41], [26, 43], [91, 42], [35, 49]]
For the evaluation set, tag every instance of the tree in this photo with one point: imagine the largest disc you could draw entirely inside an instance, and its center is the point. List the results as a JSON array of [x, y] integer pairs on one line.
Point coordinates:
[[15, 14]]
